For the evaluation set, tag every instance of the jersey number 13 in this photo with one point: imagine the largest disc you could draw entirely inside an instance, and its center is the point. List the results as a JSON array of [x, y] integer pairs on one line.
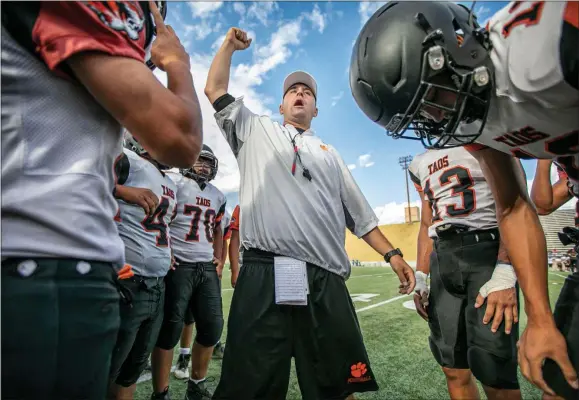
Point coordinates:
[[464, 189]]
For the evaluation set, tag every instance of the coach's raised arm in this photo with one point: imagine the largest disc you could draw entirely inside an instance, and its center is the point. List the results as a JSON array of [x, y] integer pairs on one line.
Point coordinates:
[[297, 197]]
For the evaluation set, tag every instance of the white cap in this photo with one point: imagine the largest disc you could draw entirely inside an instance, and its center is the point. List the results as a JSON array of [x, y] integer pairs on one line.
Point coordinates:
[[300, 77]]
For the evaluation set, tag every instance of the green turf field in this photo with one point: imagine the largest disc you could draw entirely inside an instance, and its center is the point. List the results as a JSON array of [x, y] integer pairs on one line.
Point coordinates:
[[396, 339]]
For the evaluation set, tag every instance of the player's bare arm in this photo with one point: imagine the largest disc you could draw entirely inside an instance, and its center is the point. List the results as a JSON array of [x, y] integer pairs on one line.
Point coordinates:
[[218, 76], [167, 121], [425, 247], [234, 256], [378, 242], [548, 198], [527, 250], [218, 248], [143, 197], [501, 303]]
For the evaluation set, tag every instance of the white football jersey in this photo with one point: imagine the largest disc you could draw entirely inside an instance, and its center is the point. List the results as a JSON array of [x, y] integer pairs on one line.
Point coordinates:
[[198, 212], [147, 238], [536, 112], [453, 183]]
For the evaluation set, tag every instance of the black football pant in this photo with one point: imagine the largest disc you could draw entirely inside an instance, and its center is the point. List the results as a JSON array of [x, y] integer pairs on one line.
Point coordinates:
[[460, 265], [60, 319], [140, 324]]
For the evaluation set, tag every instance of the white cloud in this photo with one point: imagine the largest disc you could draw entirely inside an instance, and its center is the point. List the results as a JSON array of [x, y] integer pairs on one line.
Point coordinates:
[[262, 10], [244, 81], [317, 19], [239, 8], [201, 29], [393, 213], [481, 11], [337, 98], [204, 9], [367, 8], [351, 166], [364, 161]]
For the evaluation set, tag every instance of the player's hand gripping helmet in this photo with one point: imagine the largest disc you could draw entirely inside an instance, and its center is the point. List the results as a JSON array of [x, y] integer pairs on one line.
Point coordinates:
[[423, 67], [131, 143], [205, 168], [151, 28]]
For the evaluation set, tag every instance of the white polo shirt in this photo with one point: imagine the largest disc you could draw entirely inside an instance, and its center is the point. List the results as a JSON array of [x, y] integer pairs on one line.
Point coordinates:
[[287, 214]]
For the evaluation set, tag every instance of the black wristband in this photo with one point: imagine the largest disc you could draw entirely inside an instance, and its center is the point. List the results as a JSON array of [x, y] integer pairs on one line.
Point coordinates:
[[392, 253], [223, 101]]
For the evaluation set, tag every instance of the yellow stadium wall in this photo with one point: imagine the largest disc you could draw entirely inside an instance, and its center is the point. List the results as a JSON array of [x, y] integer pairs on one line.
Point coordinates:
[[400, 235]]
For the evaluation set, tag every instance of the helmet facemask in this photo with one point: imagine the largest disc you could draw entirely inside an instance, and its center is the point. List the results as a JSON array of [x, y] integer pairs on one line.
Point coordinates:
[[204, 170], [468, 87]]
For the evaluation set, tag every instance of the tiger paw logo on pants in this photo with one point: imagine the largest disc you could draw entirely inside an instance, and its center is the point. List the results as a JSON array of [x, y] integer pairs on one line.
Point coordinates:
[[358, 372]]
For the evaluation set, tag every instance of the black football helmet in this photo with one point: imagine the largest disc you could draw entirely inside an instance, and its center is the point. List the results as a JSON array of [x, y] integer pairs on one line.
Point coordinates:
[[206, 161], [131, 143], [408, 52], [151, 28]]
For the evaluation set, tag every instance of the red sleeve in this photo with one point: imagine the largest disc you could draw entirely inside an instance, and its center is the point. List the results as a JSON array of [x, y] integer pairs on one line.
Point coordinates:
[[234, 225], [65, 28]]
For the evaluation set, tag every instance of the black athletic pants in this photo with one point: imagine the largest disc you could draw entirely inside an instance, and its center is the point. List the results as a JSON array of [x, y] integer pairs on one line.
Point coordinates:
[[324, 338]]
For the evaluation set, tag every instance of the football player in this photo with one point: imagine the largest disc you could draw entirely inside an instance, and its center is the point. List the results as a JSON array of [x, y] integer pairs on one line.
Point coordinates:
[[194, 286], [182, 367], [72, 74], [459, 245], [427, 70], [148, 255]]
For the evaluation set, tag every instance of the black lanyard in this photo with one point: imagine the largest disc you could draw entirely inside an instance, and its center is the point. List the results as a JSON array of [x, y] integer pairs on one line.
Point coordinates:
[[298, 158]]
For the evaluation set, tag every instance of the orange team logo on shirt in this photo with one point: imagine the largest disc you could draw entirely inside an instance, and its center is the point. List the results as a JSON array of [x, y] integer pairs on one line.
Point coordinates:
[[324, 147], [358, 372], [120, 15]]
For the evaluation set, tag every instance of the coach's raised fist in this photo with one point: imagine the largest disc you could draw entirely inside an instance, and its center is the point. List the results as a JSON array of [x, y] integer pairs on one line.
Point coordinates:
[[237, 38]]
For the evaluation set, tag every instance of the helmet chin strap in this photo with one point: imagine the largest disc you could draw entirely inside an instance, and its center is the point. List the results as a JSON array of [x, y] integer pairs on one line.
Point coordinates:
[[202, 183]]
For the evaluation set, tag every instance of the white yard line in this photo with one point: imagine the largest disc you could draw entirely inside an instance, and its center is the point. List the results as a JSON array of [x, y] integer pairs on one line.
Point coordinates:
[[554, 273], [363, 276], [381, 303]]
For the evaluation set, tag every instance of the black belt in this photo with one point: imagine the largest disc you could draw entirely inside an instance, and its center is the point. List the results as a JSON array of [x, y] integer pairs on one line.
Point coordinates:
[[187, 264], [465, 237], [257, 256]]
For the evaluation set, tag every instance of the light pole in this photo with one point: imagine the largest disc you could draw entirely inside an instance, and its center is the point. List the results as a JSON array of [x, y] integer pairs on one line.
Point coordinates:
[[405, 163]]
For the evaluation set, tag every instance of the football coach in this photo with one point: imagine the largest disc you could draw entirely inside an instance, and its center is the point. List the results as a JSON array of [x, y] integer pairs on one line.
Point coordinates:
[[297, 196]]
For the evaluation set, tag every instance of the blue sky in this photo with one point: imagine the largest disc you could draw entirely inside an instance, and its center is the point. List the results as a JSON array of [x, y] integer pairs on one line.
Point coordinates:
[[316, 37]]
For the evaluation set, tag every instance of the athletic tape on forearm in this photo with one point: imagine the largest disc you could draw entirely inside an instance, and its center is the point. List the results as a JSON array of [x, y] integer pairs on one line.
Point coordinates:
[[503, 278], [421, 282]]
